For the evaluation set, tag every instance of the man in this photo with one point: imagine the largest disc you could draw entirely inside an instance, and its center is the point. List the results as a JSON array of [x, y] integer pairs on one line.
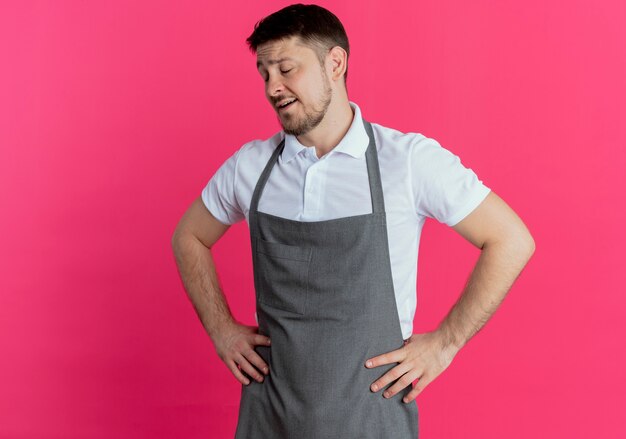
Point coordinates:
[[335, 206]]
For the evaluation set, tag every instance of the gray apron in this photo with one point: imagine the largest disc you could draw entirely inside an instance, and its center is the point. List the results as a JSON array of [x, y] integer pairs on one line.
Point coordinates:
[[325, 297]]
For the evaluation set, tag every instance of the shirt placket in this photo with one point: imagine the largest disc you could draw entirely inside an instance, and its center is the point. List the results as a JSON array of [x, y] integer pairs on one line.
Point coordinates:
[[313, 186]]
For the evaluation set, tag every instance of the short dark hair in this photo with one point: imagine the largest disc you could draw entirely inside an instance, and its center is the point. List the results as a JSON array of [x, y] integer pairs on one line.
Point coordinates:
[[317, 26]]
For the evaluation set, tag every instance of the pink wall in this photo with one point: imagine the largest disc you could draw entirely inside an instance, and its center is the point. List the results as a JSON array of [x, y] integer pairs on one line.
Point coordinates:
[[114, 115]]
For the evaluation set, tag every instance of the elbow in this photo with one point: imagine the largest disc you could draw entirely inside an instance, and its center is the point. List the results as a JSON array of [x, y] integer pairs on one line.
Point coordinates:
[[178, 236], [525, 246], [531, 246], [528, 242], [174, 242], [182, 239], [518, 244]]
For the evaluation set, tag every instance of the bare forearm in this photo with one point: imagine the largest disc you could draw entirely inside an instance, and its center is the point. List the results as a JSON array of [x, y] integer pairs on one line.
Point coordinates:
[[496, 270], [197, 271]]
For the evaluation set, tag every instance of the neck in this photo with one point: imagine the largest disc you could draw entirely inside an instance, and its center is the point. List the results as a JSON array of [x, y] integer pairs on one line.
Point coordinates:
[[331, 129]]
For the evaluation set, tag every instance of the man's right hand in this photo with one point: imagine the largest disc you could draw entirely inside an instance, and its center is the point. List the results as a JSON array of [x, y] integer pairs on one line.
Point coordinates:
[[235, 343], [197, 231]]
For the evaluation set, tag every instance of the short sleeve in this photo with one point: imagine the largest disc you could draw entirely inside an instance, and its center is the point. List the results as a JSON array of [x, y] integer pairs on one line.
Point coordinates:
[[443, 188], [219, 194]]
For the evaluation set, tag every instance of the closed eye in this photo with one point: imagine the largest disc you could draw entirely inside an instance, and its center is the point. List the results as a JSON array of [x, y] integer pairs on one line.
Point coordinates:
[[265, 79]]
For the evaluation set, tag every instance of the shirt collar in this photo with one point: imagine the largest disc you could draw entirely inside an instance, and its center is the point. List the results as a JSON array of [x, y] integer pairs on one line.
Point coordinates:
[[354, 143]]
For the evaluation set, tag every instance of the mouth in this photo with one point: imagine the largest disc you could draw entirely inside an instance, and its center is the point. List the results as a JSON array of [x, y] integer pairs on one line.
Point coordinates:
[[286, 105]]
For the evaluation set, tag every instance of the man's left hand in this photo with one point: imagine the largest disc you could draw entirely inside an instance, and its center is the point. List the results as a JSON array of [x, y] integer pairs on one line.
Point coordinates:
[[422, 358]]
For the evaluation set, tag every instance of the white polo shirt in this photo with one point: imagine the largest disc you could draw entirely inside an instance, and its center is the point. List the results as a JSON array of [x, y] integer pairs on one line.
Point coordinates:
[[420, 180]]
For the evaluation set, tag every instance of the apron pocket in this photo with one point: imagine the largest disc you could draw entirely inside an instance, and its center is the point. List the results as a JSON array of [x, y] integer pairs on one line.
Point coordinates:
[[282, 275]]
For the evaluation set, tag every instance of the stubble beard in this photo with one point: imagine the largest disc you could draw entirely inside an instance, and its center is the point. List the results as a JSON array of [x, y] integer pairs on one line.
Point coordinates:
[[298, 126]]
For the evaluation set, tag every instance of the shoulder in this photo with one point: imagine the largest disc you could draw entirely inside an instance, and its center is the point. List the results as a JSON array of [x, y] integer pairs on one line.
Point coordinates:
[[259, 148], [255, 153], [398, 143], [390, 137], [423, 157], [419, 147]]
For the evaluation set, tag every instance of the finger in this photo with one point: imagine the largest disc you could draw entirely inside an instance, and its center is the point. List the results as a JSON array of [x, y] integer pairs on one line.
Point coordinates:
[[248, 368], [253, 357], [389, 377], [235, 370], [411, 395], [260, 339], [404, 381], [389, 357], [417, 388]]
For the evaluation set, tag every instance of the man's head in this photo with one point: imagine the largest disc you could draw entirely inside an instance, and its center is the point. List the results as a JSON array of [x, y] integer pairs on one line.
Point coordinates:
[[302, 53], [316, 27]]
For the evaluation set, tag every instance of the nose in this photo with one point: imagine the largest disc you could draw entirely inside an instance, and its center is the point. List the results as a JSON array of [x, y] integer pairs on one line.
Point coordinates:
[[274, 86]]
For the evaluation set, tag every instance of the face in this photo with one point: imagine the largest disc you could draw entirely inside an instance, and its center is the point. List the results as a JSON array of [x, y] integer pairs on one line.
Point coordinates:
[[292, 70]]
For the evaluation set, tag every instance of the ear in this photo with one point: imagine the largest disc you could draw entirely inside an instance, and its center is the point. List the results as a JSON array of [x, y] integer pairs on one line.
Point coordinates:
[[338, 59]]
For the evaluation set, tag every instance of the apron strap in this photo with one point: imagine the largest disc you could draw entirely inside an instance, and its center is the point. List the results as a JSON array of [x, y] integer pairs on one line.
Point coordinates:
[[373, 172], [256, 195]]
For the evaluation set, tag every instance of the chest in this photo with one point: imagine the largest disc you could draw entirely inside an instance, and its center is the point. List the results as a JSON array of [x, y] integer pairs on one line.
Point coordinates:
[[335, 186]]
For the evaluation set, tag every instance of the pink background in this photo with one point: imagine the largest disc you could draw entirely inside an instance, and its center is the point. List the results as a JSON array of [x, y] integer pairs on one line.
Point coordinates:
[[114, 115]]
